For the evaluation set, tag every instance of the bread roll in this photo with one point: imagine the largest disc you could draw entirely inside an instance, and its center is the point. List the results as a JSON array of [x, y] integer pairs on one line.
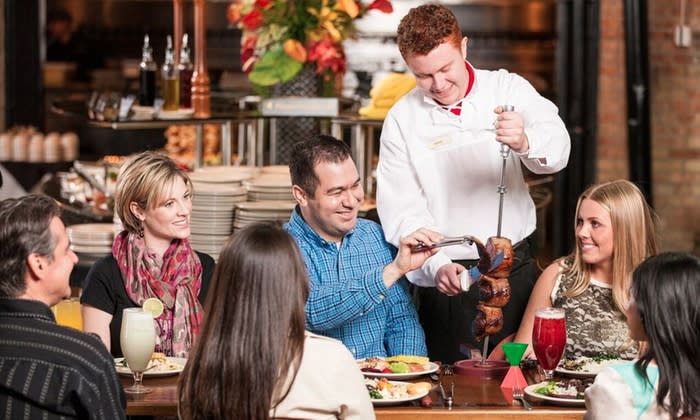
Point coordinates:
[[418, 388]]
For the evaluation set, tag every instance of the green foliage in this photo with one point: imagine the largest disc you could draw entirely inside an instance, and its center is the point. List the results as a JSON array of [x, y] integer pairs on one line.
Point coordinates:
[[274, 67]]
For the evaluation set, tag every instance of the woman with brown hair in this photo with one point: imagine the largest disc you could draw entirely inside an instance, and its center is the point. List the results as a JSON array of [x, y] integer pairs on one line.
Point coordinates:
[[254, 359], [615, 231], [151, 258]]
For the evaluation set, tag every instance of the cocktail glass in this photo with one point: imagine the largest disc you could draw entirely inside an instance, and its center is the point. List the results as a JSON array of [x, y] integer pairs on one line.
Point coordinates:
[[138, 339], [67, 313], [549, 338]]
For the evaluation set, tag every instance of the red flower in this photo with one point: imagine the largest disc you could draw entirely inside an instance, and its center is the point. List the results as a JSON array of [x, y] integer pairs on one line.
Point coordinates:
[[262, 4], [381, 5], [248, 52], [252, 20], [328, 56]]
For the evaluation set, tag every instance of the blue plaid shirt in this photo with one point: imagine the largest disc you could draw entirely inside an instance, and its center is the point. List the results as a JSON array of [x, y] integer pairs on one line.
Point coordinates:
[[348, 299]]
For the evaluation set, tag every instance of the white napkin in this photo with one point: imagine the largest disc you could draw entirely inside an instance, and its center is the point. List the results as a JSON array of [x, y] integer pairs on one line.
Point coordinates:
[[465, 280]]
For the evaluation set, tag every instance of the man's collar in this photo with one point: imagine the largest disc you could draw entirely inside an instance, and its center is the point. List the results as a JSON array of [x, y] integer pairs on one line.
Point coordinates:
[[26, 308], [297, 222]]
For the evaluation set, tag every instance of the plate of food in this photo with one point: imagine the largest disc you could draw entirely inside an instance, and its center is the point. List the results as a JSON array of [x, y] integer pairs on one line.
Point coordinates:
[[397, 368], [160, 365], [567, 392], [586, 367], [385, 392]]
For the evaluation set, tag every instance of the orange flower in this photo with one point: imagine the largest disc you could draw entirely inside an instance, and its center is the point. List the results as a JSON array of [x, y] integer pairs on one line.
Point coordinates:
[[295, 49], [349, 7], [233, 13]]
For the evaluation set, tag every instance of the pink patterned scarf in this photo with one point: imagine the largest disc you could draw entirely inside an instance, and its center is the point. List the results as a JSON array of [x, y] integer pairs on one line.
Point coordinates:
[[175, 280]]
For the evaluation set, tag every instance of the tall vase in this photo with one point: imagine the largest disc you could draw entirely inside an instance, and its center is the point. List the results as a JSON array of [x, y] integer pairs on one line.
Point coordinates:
[[292, 130]]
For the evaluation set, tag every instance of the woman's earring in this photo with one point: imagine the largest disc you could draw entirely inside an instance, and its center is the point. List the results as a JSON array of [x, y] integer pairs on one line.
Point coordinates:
[[141, 232]]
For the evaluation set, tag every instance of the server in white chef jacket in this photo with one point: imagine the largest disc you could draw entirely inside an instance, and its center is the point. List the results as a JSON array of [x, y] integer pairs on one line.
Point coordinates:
[[440, 167]]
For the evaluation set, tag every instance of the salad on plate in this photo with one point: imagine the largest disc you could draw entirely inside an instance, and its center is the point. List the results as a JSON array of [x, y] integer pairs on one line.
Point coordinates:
[[560, 392], [384, 392], [397, 367], [584, 367]]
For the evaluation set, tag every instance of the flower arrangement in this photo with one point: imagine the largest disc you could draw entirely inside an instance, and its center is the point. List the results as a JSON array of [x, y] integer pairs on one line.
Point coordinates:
[[280, 36]]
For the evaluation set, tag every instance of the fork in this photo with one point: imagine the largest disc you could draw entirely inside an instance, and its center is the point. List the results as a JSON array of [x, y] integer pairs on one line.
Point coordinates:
[[518, 395], [447, 398]]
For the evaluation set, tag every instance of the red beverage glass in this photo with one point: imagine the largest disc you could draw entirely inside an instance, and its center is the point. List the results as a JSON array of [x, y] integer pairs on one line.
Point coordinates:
[[549, 338]]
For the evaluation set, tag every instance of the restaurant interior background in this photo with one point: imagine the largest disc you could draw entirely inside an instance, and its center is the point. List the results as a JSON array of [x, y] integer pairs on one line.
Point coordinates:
[[590, 57]]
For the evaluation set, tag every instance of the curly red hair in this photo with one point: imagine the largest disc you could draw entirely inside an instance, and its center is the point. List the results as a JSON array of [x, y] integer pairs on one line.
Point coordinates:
[[425, 27]]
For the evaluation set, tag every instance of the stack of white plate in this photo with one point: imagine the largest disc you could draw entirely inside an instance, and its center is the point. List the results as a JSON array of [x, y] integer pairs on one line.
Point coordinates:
[[211, 221], [92, 239], [270, 187], [262, 211], [229, 175], [275, 169]]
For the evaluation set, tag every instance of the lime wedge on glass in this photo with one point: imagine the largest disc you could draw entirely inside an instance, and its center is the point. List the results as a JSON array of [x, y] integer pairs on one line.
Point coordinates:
[[154, 306]]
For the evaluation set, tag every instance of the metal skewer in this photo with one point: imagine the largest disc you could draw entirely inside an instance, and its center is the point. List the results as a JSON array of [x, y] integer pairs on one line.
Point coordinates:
[[505, 151]]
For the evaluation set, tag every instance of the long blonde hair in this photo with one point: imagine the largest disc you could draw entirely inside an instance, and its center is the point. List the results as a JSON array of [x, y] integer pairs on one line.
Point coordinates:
[[634, 237]]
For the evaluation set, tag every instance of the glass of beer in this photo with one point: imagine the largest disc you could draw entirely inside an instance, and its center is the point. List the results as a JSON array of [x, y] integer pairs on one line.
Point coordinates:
[[549, 338], [67, 313], [138, 339]]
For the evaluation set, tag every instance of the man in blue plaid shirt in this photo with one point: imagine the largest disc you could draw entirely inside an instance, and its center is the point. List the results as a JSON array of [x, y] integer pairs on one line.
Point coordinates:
[[359, 294]]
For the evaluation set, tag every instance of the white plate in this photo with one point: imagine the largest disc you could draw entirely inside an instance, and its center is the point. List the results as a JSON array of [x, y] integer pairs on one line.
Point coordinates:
[[395, 401], [570, 402], [179, 114], [86, 249], [590, 368], [275, 169], [220, 175], [430, 367], [87, 231], [179, 361]]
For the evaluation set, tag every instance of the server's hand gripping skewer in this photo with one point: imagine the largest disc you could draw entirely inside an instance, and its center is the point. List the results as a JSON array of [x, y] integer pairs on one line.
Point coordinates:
[[505, 152]]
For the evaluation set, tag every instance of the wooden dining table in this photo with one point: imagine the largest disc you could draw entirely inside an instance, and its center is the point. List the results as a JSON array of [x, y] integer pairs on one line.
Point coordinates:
[[474, 398]]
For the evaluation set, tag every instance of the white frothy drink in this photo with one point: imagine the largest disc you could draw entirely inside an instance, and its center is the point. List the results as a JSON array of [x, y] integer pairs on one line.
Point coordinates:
[[138, 338]]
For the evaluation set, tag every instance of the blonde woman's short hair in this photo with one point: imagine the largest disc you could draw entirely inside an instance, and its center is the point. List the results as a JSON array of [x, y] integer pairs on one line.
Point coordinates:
[[144, 179]]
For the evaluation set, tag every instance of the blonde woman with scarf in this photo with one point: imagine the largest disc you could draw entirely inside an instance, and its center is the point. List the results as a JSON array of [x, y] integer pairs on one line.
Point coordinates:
[[151, 258]]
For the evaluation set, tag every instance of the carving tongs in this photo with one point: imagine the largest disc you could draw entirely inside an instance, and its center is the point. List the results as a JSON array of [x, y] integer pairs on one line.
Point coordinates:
[[455, 240]]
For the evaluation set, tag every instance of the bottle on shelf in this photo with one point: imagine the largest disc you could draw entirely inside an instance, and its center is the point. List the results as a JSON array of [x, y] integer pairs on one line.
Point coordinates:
[[171, 80], [147, 74], [185, 68]]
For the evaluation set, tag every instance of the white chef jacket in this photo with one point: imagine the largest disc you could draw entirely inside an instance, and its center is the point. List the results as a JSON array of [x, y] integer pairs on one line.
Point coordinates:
[[442, 171]]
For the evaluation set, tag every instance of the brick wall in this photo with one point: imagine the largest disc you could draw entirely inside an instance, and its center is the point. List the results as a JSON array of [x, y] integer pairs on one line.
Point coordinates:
[[612, 102], [675, 116]]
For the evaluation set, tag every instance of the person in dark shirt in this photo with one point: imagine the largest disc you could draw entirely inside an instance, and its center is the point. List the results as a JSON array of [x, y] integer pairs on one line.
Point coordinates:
[[60, 42], [151, 258], [65, 44], [48, 371]]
